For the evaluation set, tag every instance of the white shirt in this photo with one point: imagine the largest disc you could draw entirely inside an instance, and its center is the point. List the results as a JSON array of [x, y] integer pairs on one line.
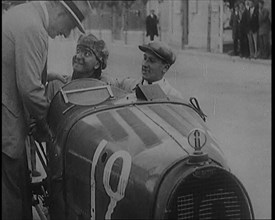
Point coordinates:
[[129, 85], [251, 10]]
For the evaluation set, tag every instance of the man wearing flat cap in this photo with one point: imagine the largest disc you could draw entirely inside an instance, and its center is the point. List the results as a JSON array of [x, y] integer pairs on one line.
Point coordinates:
[[25, 32], [157, 59]]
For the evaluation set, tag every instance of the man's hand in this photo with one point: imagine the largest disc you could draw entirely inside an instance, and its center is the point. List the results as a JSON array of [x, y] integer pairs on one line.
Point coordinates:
[[55, 76], [40, 131]]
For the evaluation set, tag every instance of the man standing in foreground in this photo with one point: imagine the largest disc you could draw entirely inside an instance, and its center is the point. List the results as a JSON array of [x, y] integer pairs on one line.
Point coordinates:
[[157, 59], [25, 31]]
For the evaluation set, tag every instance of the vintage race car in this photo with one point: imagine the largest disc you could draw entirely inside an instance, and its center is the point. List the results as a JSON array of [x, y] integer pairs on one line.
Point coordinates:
[[135, 156]]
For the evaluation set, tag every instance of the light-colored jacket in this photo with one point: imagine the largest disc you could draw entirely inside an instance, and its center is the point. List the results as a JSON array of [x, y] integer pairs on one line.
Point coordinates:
[[129, 84], [264, 22], [24, 54]]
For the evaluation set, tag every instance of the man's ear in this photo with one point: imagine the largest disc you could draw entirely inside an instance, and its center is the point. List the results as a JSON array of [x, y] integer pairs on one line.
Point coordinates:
[[97, 65], [165, 68]]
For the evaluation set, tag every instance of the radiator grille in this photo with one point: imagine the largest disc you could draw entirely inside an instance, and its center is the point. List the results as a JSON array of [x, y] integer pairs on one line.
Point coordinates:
[[216, 197]]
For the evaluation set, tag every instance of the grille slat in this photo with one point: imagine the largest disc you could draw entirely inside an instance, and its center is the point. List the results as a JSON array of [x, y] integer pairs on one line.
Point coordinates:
[[217, 199], [236, 210], [186, 213], [214, 197], [205, 209], [233, 206]]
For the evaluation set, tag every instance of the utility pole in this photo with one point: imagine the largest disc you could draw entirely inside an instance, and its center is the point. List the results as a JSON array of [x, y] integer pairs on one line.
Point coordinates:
[[126, 25], [160, 5], [184, 23], [209, 27], [221, 26], [122, 23], [113, 22]]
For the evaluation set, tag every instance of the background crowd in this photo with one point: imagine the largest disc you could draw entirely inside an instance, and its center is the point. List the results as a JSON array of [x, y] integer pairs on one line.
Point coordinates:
[[251, 28]]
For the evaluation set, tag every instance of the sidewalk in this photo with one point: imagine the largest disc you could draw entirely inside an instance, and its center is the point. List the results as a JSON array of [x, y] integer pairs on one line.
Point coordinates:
[[199, 52]]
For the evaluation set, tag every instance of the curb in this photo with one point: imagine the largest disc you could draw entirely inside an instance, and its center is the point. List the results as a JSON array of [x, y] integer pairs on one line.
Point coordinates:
[[196, 52], [224, 57]]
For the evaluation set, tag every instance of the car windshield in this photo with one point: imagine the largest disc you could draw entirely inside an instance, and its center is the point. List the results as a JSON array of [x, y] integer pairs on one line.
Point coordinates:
[[88, 92]]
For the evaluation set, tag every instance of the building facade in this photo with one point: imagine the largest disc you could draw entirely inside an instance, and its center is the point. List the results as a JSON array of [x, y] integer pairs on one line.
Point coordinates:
[[195, 24]]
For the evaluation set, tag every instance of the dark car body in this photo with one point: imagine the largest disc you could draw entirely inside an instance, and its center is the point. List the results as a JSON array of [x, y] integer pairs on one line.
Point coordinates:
[[118, 157]]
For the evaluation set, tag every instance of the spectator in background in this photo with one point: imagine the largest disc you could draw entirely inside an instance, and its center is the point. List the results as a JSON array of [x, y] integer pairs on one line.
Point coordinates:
[[244, 16], [226, 15], [253, 27], [235, 24], [152, 25], [264, 30]]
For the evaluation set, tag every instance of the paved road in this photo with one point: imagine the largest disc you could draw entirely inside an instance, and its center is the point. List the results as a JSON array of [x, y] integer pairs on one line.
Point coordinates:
[[235, 95]]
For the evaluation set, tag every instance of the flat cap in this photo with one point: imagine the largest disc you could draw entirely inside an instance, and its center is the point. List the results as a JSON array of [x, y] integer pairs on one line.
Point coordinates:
[[161, 50], [97, 46]]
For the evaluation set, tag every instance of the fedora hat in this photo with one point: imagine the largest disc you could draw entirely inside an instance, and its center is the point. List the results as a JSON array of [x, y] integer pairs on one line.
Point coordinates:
[[78, 11]]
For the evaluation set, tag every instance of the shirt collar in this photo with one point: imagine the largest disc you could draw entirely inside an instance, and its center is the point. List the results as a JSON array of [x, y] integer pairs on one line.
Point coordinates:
[[144, 82], [159, 82], [44, 7]]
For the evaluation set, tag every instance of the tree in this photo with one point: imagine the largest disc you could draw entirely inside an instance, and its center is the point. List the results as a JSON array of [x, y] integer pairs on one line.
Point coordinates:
[[119, 7], [98, 5]]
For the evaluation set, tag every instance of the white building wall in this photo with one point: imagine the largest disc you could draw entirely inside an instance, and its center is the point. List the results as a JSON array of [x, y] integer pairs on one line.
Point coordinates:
[[170, 16], [169, 13], [198, 24], [164, 20], [176, 31]]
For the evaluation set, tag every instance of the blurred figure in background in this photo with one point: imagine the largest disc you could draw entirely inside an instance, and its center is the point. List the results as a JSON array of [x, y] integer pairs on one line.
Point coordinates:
[[253, 27], [244, 13], [226, 15], [264, 30], [235, 24], [152, 25]]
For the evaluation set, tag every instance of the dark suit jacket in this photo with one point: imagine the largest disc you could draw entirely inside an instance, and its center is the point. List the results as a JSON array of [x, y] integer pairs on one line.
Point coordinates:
[[244, 27], [235, 24], [253, 22], [151, 25]]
